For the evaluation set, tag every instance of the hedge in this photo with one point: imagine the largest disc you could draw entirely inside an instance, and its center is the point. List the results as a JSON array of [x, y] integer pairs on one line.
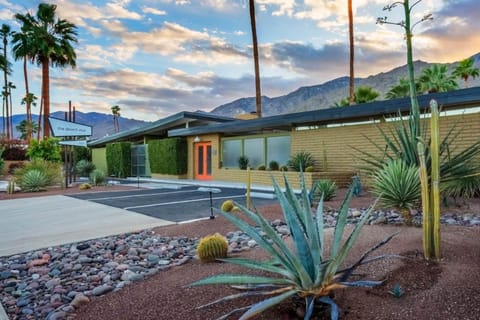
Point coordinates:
[[168, 156], [119, 162]]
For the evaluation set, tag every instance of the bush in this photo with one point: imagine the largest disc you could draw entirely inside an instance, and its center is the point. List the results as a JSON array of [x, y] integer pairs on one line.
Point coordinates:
[[14, 166], [47, 149], [261, 167], [82, 153], [97, 177], [310, 169], [301, 160], [168, 156], [464, 187], [84, 168], [13, 153], [326, 188], [52, 170], [284, 168], [243, 162], [119, 159], [1, 160], [398, 185], [34, 180], [273, 165]]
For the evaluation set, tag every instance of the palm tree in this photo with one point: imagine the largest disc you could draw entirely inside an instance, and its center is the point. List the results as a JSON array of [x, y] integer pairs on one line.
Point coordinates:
[[51, 40], [5, 31], [26, 128], [258, 92], [363, 94], [3, 64], [401, 90], [436, 79], [465, 70], [23, 49], [30, 100], [352, 54], [116, 115]]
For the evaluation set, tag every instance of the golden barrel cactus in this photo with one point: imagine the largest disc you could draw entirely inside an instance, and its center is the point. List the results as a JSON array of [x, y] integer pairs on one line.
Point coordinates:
[[212, 247]]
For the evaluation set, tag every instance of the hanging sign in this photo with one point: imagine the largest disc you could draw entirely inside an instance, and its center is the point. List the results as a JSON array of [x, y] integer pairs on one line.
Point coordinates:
[[62, 128]]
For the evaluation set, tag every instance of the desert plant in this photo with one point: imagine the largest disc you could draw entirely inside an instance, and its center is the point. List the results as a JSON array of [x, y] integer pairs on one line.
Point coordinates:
[[325, 188], [243, 162], [84, 168], [310, 169], [397, 291], [47, 149], [304, 271], [1, 159], [301, 160], [12, 167], [284, 168], [212, 247], [11, 186], [97, 177], [228, 206], [464, 187], [398, 185], [261, 167], [85, 186], [273, 165], [52, 170], [34, 180]]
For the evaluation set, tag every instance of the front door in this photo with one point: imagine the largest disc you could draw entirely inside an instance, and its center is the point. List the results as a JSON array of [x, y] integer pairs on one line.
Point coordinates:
[[203, 160]]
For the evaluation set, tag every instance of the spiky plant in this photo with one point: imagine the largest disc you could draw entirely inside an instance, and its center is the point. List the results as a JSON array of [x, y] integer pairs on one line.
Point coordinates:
[[84, 168], [325, 188], [97, 177], [301, 160], [212, 248], [34, 180], [305, 271], [398, 185]]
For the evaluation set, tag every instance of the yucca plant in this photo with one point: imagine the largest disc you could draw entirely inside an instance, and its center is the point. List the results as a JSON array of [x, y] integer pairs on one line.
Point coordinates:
[[398, 185], [301, 160], [34, 180], [97, 177], [84, 168], [304, 271], [325, 188], [52, 170]]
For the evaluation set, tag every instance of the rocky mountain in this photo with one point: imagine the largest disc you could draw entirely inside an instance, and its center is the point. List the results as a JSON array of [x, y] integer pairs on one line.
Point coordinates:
[[325, 95], [101, 123]]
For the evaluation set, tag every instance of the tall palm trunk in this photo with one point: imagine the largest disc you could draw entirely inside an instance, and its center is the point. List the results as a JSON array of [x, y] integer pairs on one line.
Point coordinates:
[[40, 119], [46, 96], [352, 54], [5, 92], [258, 92], [27, 101], [11, 108]]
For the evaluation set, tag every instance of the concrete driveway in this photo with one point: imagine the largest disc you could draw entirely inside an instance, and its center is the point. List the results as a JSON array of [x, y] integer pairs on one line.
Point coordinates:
[[34, 223]]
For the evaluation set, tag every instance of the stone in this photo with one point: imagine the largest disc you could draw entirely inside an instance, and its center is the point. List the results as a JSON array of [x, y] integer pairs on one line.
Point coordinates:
[[57, 315], [356, 213], [82, 246], [23, 302], [79, 300], [100, 290]]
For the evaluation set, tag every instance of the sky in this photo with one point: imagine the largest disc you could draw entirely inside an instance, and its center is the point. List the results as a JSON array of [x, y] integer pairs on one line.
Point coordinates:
[[154, 58]]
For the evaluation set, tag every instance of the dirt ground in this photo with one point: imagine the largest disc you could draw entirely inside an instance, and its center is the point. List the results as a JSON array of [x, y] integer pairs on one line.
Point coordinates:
[[447, 289]]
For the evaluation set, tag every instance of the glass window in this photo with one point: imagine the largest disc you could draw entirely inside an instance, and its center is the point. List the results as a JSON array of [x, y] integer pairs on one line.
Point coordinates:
[[255, 151], [232, 150], [278, 149]]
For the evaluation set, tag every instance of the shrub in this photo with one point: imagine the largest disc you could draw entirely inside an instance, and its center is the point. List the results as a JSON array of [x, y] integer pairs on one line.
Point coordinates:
[[213, 247], [261, 167], [168, 156], [119, 159], [34, 180], [1, 160], [84, 168], [52, 170], [306, 271], [301, 160], [466, 186], [97, 177], [13, 153], [273, 165], [284, 168], [310, 169], [82, 153], [12, 167], [398, 185], [47, 149], [243, 162], [325, 188]]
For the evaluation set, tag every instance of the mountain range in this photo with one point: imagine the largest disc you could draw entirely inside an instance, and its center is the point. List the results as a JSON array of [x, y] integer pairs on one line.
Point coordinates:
[[325, 95], [315, 97]]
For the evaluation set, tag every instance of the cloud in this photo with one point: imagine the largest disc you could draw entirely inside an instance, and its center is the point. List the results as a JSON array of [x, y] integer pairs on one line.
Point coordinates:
[[154, 11]]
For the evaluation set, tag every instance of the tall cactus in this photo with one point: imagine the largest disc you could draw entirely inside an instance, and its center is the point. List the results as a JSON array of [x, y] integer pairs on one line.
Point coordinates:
[[431, 189]]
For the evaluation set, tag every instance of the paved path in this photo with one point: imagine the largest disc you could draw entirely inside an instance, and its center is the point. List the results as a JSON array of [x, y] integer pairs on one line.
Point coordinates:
[[34, 223]]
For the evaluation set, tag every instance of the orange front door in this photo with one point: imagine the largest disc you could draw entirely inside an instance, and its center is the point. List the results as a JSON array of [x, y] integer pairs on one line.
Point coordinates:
[[203, 160]]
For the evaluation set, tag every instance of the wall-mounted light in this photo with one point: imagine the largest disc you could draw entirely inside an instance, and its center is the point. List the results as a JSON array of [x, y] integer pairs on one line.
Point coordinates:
[[197, 139]]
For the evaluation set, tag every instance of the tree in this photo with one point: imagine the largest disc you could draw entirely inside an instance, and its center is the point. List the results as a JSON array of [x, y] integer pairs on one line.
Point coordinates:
[[258, 92], [23, 49], [5, 32], [352, 54], [363, 94], [52, 40], [116, 115], [26, 128], [30, 100], [436, 79], [401, 90], [465, 70]]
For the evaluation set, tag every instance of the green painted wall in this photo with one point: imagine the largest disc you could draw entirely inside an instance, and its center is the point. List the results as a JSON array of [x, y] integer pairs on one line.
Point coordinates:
[[99, 158]]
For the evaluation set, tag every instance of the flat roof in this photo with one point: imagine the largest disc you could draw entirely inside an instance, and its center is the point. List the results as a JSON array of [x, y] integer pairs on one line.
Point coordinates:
[[366, 111], [161, 127]]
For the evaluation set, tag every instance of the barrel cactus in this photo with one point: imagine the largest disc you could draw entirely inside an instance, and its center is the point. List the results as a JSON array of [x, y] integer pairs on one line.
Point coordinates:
[[212, 247], [228, 206]]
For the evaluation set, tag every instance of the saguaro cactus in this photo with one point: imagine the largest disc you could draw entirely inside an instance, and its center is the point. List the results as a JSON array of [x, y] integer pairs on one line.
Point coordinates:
[[431, 189]]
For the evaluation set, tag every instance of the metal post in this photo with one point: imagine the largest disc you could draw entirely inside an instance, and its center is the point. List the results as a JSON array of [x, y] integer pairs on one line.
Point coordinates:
[[211, 207], [248, 188]]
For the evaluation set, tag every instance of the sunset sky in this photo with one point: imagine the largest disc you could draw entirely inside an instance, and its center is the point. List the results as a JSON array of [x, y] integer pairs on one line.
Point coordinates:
[[154, 58]]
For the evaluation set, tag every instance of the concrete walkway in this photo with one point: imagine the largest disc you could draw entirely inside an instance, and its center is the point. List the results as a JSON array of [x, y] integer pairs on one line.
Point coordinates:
[[34, 223]]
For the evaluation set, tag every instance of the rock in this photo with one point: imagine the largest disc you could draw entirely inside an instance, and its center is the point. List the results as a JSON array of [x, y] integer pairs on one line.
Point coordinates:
[[79, 300], [251, 243], [98, 291], [356, 213], [82, 246], [58, 315], [23, 302]]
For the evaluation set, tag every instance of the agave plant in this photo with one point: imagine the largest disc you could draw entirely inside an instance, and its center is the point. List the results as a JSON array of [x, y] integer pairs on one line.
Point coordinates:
[[304, 271], [34, 180], [325, 188], [301, 160]]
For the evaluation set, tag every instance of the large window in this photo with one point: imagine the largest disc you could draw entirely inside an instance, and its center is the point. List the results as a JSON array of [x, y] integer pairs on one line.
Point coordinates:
[[258, 150]]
